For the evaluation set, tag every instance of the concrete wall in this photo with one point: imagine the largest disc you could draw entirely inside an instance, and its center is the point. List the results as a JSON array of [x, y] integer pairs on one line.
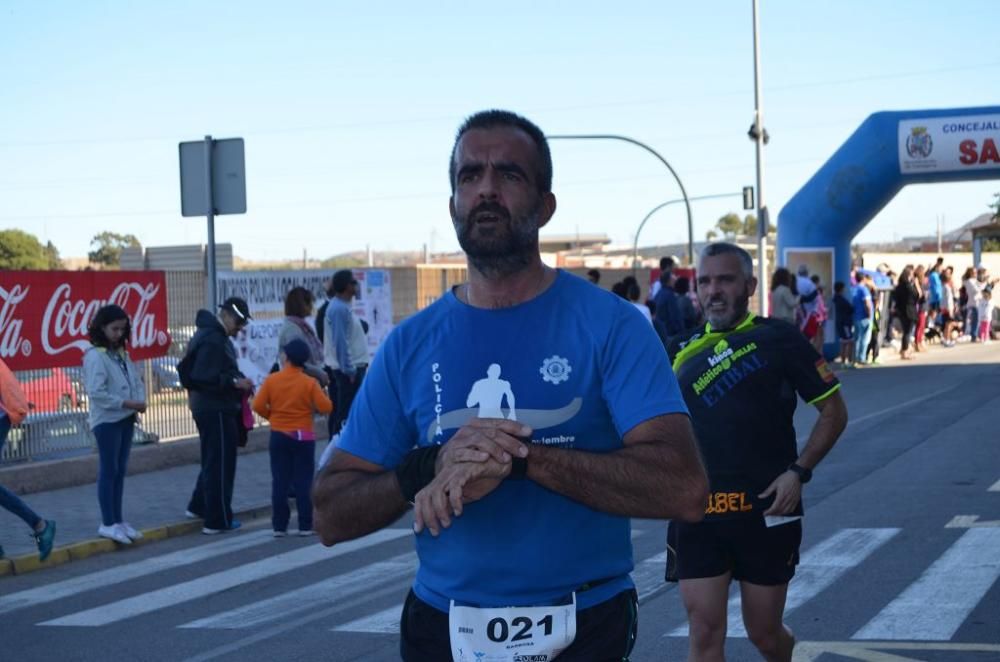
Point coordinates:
[[960, 261]]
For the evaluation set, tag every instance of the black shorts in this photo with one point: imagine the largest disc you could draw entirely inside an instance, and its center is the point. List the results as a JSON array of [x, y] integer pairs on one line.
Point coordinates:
[[745, 547], [604, 633], [845, 332]]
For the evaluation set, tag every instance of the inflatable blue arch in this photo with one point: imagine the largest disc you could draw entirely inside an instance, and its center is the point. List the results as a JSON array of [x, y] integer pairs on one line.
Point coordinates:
[[887, 152]]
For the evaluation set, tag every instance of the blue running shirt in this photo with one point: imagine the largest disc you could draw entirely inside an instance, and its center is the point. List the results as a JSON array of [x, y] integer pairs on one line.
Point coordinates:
[[578, 364]]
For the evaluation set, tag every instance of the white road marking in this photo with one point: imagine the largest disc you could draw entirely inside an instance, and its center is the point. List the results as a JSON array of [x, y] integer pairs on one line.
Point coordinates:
[[995, 487], [934, 607], [383, 622], [129, 571], [221, 581], [648, 577], [310, 598], [971, 522], [821, 566]]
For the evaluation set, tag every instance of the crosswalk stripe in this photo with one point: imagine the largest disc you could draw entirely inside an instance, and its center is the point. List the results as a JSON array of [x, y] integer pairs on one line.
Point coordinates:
[[221, 581], [995, 487], [820, 566], [130, 571], [648, 577], [383, 622], [934, 607], [309, 598]]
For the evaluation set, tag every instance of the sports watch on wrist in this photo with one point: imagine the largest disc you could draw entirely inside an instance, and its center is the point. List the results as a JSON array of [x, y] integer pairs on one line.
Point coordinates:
[[518, 468], [805, 475]]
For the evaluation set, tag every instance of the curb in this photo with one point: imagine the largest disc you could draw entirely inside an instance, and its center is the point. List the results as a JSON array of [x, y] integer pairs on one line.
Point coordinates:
[[84, 549]]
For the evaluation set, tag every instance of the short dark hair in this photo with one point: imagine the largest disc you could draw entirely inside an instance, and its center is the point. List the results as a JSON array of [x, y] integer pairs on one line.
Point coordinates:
[[682, 285], [666, 263], [104, 316], [724, 248], [595, 274], [492, 119], [838, 286], [298, 302]]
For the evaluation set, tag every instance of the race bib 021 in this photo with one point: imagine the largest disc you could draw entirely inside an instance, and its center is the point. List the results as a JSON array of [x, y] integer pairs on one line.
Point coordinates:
[[511, 634]]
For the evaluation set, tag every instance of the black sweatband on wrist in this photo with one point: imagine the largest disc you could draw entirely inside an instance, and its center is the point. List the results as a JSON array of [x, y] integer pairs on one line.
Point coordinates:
[[518, 468], [416, 471]]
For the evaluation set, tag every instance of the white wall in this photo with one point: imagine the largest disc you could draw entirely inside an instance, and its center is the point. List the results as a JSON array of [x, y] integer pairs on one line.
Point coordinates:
[[960, 261]]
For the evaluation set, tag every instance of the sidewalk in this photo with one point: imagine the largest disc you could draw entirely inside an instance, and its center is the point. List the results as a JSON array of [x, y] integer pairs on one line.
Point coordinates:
[[154, 503]]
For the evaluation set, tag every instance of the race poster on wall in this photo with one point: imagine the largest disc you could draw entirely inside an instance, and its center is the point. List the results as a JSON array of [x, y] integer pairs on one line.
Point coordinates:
[[265, 293]]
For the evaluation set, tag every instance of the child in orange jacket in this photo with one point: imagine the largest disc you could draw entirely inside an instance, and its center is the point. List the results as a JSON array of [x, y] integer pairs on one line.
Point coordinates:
[[13, 409], [288, 399]]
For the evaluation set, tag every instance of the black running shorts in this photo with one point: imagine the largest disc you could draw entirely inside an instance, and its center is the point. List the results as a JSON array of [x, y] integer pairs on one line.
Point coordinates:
[[743, 546], [604, 633]]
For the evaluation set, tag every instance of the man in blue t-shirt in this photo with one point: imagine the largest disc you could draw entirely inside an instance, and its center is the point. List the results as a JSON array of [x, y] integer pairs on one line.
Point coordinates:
[[526, 416], [864, 311]]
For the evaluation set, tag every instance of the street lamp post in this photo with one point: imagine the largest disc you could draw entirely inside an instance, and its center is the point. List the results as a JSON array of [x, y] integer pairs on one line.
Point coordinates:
[[652, 151], [758, 134], [635, 245]]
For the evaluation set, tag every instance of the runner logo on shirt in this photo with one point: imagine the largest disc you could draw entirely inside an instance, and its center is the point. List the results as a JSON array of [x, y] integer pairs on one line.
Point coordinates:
[[489, 394]]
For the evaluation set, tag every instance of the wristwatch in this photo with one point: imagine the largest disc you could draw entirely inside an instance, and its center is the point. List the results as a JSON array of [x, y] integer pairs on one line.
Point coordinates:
[[805, 475]]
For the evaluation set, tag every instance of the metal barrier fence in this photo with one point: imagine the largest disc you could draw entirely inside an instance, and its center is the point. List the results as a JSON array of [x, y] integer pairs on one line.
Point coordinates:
[[58, 426]]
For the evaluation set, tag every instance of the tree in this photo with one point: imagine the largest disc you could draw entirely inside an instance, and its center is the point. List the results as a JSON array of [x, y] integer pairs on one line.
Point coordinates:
[[995, 206], [730, 225], [711, 235], [109, 248], [750, 226], [20, 250], [52, 254]]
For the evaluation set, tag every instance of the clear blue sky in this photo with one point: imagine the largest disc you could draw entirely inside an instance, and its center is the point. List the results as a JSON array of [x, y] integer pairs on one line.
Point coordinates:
[[348, 109]]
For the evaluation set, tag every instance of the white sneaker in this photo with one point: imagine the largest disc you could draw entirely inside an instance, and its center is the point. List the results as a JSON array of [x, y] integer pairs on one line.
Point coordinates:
[[307, 532], [279, 534], [129, 531], [115, 533], [190, 515]]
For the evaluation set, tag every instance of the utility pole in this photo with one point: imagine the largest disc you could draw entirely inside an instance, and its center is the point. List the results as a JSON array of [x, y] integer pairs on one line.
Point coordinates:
[[757, 132]]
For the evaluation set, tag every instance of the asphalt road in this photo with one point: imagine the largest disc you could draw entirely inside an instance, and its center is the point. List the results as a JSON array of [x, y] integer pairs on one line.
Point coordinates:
[[901, 557]]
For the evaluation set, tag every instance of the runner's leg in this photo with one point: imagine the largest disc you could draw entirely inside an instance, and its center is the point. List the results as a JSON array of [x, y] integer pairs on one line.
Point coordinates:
[[705, 600], [763, 607]]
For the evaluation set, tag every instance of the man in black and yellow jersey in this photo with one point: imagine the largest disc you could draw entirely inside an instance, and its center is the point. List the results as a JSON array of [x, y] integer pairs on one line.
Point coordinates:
[[741, 376]]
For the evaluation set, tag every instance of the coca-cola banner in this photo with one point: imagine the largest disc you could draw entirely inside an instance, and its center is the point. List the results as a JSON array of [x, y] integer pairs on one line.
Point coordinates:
[[44, 314]]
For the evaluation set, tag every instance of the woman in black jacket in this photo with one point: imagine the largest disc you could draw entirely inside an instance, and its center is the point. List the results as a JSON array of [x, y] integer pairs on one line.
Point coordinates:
[[906, 296]]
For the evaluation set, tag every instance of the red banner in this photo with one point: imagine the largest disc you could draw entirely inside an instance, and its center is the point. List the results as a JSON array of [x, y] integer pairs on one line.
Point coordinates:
[[44, 314]]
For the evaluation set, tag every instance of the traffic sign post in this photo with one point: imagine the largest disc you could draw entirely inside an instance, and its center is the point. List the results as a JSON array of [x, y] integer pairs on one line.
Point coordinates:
[[213, 181]]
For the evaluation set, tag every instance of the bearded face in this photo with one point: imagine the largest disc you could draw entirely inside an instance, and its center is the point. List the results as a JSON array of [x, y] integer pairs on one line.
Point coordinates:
[[495, 240]]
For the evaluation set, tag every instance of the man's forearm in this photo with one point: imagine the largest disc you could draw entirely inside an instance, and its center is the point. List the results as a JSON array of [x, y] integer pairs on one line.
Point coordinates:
[[827, 429], [642, 480], [351, 504]]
